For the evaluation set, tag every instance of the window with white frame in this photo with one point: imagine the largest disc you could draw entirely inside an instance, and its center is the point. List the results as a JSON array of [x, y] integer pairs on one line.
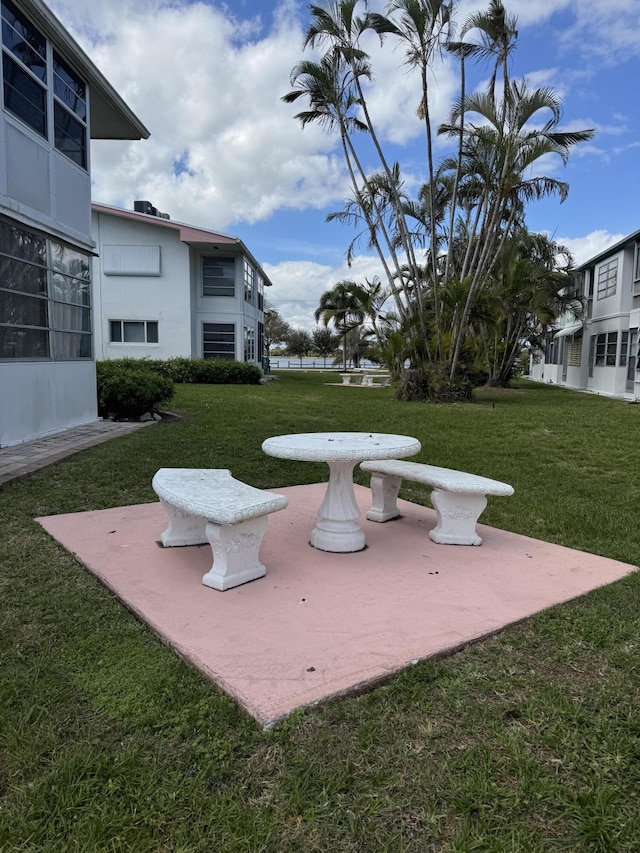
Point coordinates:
[[260, 289], [218, 340], [133, 331], [606, 349], [249, 343], [218, 276], [28, 75], [249, 281], [45, 297], [607, 279]]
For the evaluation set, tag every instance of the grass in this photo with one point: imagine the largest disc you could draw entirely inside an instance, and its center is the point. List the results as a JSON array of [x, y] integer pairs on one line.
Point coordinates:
[[528, 741]]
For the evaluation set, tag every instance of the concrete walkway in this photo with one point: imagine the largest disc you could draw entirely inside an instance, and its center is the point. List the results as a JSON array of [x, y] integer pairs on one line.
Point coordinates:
[[21, 459]]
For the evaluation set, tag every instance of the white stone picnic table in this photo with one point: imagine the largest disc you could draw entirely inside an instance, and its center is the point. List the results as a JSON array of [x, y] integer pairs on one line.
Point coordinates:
[[337, 528]]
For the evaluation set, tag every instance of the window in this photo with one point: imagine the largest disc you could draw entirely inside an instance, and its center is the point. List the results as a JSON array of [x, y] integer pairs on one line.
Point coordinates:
[[249, 278], [26, 77], [218, 340], [249, 344], [218, 276], [624, 348], [606, 349], [24, 69], [133, 331], [607, 279], [45, 297], [636, 262], [260, 288], [69, 113]]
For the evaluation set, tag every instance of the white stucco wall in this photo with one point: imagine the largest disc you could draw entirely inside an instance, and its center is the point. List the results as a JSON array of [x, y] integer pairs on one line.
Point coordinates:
[[42, 397], [173, 299], [164, 298]]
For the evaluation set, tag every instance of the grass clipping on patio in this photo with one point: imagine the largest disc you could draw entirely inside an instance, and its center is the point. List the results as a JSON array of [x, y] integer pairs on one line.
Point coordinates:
[[528, 741]]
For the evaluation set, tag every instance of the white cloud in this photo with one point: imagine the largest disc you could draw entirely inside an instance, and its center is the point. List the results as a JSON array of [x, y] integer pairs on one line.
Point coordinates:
[[583, 248], [298, 285]]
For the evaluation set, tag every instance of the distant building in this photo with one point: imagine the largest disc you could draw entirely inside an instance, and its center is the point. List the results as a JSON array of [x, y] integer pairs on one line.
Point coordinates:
[[600, 354], [54, 100], [165, 289]]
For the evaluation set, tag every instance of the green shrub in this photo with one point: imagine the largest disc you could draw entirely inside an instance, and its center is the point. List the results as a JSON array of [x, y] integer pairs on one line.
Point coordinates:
[[207, 371], [128, 388]]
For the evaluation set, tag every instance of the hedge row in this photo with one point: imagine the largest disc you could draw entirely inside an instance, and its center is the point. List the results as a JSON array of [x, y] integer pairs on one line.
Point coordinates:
[[129, 387], [207, 371]]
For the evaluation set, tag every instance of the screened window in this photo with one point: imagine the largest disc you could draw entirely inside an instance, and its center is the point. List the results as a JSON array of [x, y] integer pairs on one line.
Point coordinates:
[[219, 340], [612, 348], [601, 348], [133, 331], [218, 276], [607, 279], [45, 297]]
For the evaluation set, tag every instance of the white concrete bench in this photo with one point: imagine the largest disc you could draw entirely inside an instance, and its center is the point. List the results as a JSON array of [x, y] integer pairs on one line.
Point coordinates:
[[209, 505], [458, 498], [366, 380], [369, 379], [352, 378]]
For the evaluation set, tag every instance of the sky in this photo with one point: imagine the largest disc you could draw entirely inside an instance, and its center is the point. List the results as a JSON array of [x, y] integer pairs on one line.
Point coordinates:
[[225, 153]]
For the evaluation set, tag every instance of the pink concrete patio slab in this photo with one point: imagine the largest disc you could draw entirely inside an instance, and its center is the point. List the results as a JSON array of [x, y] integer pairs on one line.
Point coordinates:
[[321, 625]]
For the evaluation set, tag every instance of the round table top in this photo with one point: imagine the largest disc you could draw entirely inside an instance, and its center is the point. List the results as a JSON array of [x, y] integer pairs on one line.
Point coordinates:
[[341, 446]]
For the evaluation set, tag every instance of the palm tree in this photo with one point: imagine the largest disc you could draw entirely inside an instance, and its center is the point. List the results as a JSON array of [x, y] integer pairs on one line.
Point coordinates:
[[342, 306], [337, 26], [421, 25], [501, 146], [531, 288]]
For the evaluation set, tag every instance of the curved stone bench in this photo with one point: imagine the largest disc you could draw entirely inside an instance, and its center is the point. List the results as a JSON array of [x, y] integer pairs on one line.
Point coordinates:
[[458, 498], [209, 505]]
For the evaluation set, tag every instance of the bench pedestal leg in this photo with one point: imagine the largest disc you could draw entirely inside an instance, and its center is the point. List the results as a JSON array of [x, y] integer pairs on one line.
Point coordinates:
[[457, 516], [384, 493], [235, 553], [183, 529]]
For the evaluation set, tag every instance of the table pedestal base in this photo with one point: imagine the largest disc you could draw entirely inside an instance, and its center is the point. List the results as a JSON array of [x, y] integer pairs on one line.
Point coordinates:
[[338, 529]]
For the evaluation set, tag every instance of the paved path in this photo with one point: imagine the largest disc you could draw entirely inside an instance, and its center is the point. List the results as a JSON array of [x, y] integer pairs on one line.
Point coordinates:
[[21, 459]]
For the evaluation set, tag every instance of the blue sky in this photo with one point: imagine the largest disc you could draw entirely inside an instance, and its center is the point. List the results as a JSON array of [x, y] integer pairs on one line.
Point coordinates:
[[226, 154]]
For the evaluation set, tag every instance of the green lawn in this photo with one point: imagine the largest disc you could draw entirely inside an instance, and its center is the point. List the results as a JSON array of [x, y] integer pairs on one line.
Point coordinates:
[[528, 741]]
